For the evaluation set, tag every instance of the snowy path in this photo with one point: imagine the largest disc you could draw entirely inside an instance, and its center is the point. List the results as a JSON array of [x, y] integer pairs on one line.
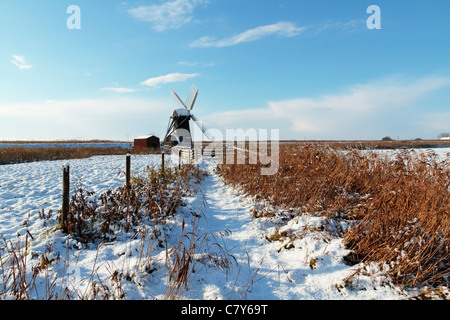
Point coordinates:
[[312, 269]]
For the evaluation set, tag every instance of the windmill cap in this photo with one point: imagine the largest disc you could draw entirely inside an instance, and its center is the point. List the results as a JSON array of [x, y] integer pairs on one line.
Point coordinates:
[[182, 112]]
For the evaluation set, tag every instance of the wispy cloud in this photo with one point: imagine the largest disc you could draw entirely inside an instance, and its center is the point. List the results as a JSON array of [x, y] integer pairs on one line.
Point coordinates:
[[281, 29], [119, 90], [346, 26], [168, 15], [20, 62], [196, 64], [168, 78]]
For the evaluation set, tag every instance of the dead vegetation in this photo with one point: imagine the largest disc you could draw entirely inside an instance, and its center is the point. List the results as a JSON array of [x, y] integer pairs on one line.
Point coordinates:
[[9, 155], [139, 212], [153, 198], [398, 205], [19, 154], [385, 143]]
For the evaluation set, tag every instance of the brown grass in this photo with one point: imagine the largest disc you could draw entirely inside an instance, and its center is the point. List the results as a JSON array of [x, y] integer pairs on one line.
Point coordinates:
[[373, 144], [16, 154], [61, 141], [400, 205], [351, 144]]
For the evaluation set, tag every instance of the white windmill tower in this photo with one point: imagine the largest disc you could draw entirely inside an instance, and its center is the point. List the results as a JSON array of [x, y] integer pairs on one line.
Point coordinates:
[[178, 131]]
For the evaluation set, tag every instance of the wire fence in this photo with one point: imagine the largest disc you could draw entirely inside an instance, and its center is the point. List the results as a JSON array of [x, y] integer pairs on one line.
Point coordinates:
[[27, 188], [30, 187]]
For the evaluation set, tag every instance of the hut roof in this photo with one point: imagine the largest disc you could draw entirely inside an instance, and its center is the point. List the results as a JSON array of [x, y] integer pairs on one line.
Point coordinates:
[[146, 137]]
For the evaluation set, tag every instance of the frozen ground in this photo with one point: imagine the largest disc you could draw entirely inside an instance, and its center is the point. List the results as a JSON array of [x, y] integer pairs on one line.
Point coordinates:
[[234, 257]]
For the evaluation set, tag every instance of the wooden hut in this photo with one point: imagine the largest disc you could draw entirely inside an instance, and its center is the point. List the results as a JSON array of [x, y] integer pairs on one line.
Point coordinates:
[[146, 142]]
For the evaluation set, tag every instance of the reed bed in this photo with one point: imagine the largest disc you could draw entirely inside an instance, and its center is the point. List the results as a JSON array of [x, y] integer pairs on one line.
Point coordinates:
[[9, 155], [18, 154], [373, 144], [398, 205]]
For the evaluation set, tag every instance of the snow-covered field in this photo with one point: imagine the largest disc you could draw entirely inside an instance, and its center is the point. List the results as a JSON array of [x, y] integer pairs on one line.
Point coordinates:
[[245, 264]]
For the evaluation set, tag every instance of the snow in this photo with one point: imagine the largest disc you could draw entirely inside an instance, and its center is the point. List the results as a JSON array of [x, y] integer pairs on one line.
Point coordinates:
[[145, 137], [267, 270], [28, 187], [183, 112], [237, 257]]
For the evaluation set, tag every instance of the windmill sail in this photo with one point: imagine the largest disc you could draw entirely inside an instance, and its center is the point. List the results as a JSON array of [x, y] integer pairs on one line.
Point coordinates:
[[191, 98], [178, 131], [201, 126], [178, 101]]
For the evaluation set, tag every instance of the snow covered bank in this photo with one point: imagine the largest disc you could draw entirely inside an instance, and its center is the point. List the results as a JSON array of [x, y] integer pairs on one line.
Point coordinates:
[[236, 256], [28, 188]]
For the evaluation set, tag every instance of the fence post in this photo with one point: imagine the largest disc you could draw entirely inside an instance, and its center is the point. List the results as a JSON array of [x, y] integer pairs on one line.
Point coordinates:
[[66, 189], [162, 163], [127, 170]]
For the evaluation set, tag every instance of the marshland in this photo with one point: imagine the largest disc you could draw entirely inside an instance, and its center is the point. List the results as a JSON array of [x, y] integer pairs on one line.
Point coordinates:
[[332, 223]]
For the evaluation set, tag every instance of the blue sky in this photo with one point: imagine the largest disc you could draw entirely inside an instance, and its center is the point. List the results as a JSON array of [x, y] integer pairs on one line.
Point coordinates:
[[312, 68]]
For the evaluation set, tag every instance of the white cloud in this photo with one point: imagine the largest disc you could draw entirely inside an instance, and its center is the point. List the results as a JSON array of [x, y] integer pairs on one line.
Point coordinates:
[[282, 29], [83, 107], [383, 94], [112, 118], [20, 62], [169, 78], [363, 111], [119, 90], [168, 15]]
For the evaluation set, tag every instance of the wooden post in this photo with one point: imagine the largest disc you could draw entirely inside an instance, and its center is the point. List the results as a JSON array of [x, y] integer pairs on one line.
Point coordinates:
[[127, 170], [162, 163], [65, 195]]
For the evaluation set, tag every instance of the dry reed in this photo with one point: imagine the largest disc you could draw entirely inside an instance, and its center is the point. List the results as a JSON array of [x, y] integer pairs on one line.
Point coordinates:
[[18, 154], [399, 205]]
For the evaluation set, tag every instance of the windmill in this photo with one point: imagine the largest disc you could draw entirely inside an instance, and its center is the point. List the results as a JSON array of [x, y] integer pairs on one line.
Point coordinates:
[[178, 131]]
